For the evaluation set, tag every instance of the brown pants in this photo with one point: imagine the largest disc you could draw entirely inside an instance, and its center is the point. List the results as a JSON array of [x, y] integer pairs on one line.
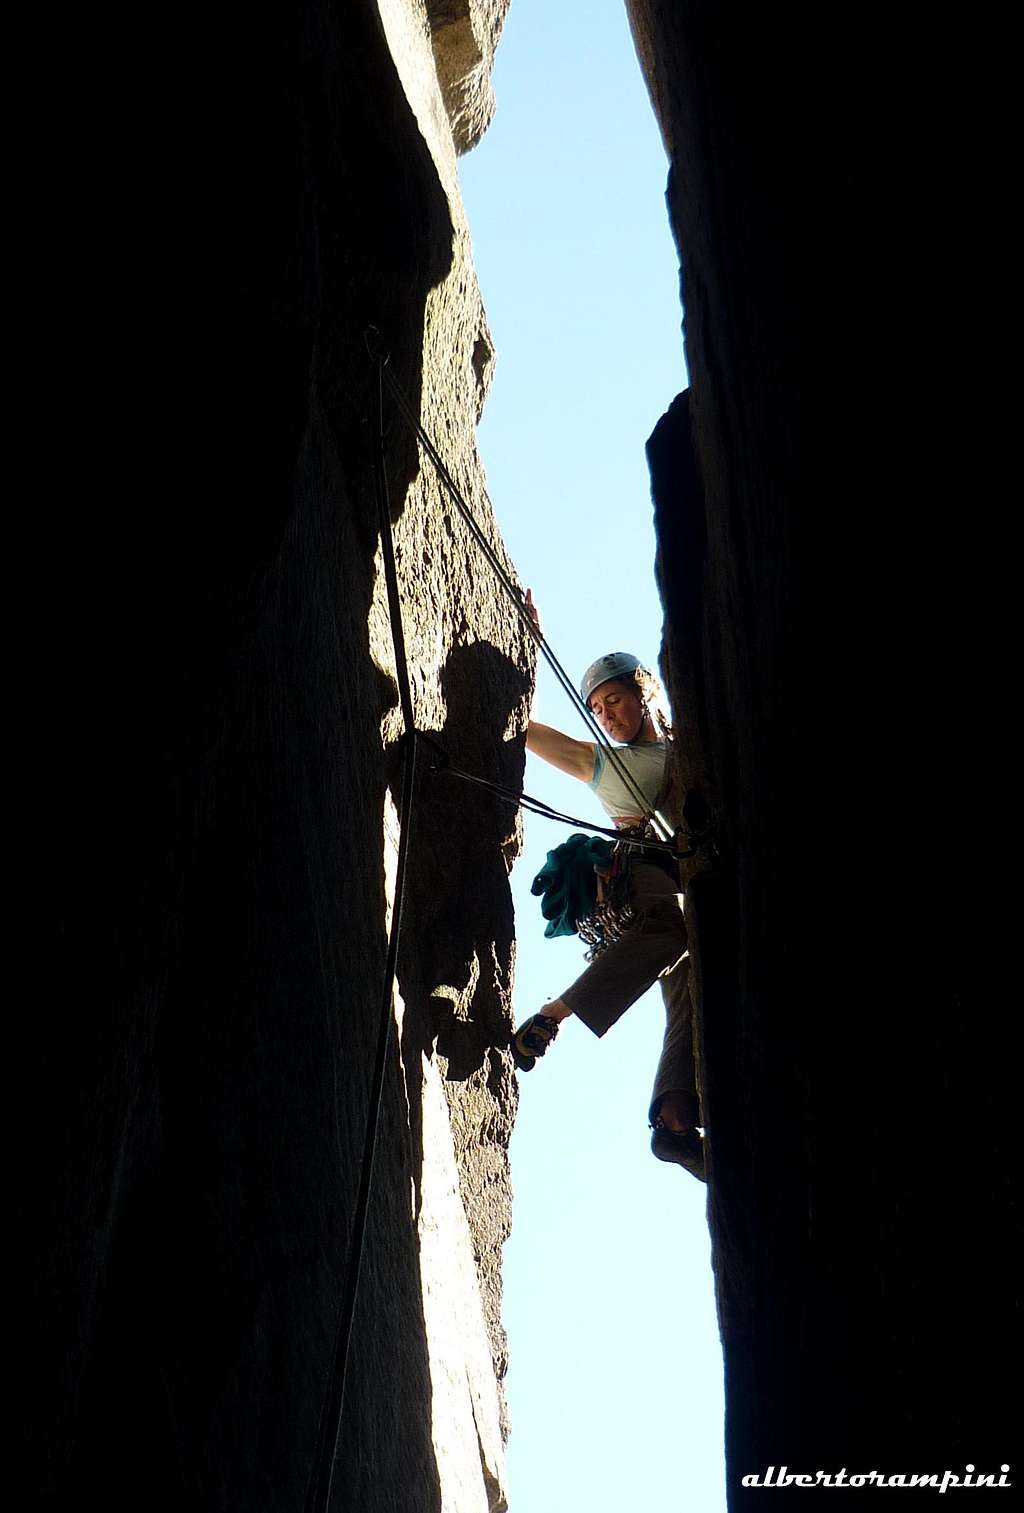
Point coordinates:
[[654, 948]]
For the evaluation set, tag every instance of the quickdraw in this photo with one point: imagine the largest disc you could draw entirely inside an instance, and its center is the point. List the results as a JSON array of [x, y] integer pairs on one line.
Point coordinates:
[[614, 914]]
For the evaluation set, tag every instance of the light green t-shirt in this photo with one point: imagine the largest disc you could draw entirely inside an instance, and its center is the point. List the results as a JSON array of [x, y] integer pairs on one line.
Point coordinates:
[[645, 762]]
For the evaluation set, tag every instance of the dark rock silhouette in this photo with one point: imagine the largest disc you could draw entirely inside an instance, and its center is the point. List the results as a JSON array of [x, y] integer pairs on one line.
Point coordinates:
[[835, 643], [217, 221], [223, 825]]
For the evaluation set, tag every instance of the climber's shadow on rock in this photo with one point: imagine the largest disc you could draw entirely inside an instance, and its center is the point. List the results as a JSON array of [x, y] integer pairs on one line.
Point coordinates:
[[457, 939]]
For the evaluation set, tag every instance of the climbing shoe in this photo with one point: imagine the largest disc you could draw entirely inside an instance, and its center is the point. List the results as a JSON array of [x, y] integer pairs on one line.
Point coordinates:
[[685, 1149], [532, 1039]]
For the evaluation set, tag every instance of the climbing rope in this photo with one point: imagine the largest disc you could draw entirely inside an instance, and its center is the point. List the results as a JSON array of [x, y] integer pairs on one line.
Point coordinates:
[[319, 1492], [321, 1482], [381, 358], [523, 800]]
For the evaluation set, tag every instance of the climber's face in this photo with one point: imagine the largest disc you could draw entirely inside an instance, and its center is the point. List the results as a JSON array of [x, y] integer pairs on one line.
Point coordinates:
[[618, 709]]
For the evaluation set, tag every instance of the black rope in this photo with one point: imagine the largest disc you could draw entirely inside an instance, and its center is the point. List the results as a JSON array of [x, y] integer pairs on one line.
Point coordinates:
[[375, 351], [322, 1476], [319, 1492], [538, 806]]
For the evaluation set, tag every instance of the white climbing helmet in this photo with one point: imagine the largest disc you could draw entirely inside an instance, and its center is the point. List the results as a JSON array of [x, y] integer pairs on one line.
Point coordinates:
[[617, 664]]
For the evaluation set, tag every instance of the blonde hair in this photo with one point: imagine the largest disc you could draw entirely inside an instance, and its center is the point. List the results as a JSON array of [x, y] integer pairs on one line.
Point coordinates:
[[653, 697]]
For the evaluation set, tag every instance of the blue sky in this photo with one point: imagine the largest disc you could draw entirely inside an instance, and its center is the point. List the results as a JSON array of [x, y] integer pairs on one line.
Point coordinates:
[[615, 1384]]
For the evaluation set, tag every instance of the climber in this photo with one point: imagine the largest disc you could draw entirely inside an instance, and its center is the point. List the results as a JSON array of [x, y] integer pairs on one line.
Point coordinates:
[[627, 701]]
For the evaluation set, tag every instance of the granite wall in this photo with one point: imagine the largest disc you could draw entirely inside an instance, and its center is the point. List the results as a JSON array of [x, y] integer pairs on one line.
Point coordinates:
[[234, 206]]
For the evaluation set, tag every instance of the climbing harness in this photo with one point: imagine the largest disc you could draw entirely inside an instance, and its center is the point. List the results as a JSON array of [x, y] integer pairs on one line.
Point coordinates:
[[613, 914]]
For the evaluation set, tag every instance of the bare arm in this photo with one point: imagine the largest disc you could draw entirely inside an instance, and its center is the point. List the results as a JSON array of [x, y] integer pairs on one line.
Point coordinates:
[[574, 757]]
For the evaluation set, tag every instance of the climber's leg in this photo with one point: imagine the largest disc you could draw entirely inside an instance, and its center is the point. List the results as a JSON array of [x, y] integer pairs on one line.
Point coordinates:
[[674, 1097], [675, 1106], [649, 949]]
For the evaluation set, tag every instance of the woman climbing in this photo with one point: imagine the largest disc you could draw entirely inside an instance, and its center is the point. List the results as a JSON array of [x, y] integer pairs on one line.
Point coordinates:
[[626, 700]]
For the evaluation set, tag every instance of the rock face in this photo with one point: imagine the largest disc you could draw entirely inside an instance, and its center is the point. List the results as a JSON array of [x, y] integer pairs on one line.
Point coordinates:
[[464, 34], [834, 642], [226, 774]]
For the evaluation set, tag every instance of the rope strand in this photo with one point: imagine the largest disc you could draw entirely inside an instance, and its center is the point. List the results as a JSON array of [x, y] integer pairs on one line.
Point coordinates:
[[322, 1476], [321, 1481], [546, 811], [405, 409]]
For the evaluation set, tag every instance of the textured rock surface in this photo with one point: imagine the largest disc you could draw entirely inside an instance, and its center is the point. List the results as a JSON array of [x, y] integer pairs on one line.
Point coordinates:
[[835, 645], [226, 770], [465, 34]]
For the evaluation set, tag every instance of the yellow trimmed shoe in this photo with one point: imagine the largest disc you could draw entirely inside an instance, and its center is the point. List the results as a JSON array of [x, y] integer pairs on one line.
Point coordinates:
[[531, 1040]]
